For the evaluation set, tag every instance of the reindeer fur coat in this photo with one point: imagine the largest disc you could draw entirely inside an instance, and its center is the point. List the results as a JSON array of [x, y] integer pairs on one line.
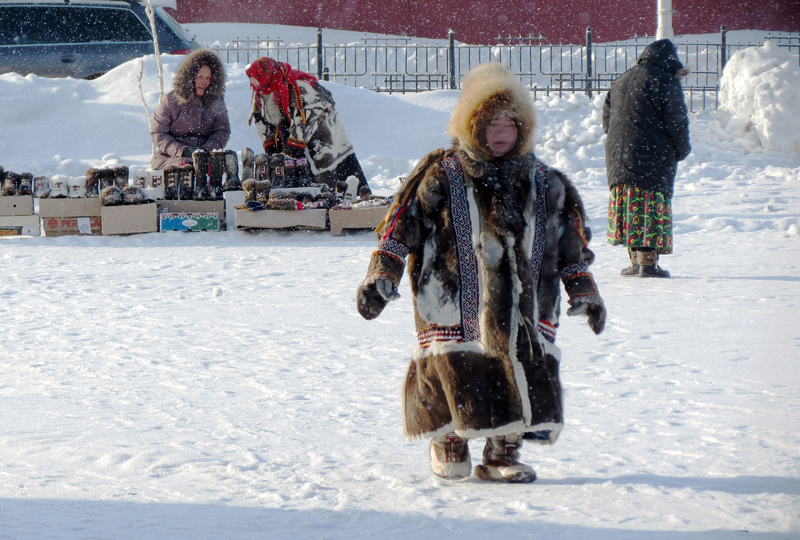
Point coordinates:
[[487, 242]]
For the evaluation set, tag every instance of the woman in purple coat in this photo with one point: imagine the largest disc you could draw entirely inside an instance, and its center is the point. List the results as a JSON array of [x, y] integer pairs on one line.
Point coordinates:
[[193, 114]]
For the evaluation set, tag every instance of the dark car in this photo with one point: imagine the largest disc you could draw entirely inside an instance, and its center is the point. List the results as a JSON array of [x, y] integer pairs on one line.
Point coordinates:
[[82, 38]]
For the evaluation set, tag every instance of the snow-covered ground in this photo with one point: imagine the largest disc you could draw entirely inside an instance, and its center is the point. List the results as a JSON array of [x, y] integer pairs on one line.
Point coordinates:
[[222, 385]]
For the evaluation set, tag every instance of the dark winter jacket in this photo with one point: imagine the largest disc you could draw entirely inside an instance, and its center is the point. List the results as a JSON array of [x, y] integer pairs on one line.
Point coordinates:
[[314, 132], [184, 119], [488, 243], [645, 118]]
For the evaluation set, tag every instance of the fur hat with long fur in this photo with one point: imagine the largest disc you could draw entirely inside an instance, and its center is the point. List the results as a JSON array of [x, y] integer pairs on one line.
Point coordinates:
[[490, 91], [183, 85]]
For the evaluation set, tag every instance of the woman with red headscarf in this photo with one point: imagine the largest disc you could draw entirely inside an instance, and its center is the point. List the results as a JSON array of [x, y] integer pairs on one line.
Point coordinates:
[[294, 114]]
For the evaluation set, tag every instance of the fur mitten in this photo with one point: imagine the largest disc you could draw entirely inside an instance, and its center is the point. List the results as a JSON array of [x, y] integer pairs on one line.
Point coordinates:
[[111, 196], [133, 195], [369, 298], [593, 307]]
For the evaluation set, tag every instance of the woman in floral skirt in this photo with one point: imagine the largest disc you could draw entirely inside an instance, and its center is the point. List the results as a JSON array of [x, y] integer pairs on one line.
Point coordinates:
[[647, 124]]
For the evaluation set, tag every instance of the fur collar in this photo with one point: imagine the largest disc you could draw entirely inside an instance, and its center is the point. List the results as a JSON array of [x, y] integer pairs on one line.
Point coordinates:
[[501, 168]]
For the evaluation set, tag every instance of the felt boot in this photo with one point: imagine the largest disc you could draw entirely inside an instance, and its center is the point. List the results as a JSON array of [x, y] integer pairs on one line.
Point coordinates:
[[648, 264], [450, 457], [501, 461]]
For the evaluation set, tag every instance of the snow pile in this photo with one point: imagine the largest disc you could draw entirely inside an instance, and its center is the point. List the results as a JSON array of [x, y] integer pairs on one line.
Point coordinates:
[[760, 93]]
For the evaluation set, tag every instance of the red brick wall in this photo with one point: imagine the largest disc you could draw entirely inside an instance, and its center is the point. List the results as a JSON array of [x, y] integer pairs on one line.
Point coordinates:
[[481, 21]]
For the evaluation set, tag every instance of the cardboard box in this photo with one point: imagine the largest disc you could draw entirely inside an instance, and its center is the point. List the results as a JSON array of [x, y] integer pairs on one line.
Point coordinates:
[[129, 219], [66, 226], [356, 218], [62, 208], [195, 207], [170, 221], [19, 226], [282, 219], [16, 205]]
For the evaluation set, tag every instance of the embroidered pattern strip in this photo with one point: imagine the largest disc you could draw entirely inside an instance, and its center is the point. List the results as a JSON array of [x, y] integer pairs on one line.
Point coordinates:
[[439, 333], [393, 247], [467, 261], [573, 270], [537, 251]]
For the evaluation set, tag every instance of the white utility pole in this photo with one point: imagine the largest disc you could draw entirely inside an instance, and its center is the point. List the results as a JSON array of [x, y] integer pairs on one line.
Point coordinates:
[[664, 30]]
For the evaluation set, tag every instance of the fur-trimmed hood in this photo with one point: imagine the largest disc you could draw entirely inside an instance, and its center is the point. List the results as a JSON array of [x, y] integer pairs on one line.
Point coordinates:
[[183, 85], [489, 91]]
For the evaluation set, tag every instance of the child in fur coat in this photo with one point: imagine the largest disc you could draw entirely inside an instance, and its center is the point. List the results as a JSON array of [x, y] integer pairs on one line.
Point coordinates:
[[488, 234]]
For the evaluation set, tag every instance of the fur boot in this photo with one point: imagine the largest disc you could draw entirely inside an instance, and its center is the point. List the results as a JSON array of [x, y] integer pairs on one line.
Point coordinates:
[[277, 168], [171, 181], [249, 187], [248, 160], [121, 175], [93, 183], [10, 181], [302, 172], [501, 461], [25, 184], [633, 269], [648, 264], [77, 187], [262, 191], [232, 182], [450, 457], [186, 183], [106, 179], [262, 172], [41, 187], [200, 160], [216, 168], [289, 170], [58, 187]]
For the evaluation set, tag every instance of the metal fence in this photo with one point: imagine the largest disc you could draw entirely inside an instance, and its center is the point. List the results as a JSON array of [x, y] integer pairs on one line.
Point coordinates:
[[396, 64]]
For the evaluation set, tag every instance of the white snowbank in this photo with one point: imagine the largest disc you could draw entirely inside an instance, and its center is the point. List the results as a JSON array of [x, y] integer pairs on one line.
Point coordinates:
[[760, 93]]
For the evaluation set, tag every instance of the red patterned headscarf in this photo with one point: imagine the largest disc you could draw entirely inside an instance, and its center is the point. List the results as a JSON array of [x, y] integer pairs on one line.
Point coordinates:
[[275, 78]]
